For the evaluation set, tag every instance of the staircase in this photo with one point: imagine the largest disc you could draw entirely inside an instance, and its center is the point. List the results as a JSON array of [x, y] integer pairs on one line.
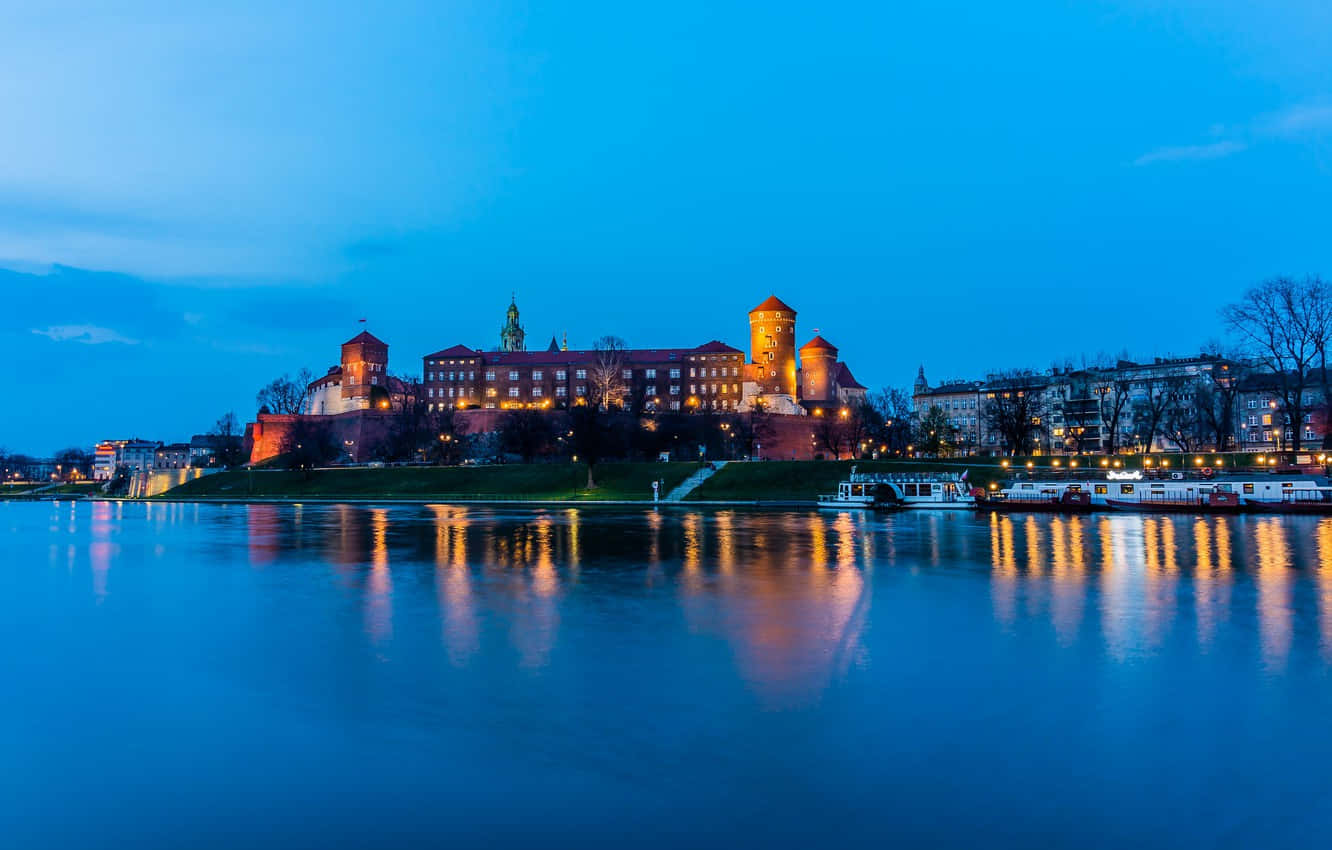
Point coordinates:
[[689, 484]]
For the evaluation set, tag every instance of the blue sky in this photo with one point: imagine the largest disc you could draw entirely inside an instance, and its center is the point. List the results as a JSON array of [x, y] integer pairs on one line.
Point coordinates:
[[197, 197]]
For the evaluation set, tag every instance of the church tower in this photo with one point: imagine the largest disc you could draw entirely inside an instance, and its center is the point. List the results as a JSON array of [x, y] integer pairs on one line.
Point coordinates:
[[921, 384], [512, 335], [772, 347]]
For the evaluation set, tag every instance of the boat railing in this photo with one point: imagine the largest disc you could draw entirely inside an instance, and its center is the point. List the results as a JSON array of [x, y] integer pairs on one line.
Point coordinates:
[[905, 478]]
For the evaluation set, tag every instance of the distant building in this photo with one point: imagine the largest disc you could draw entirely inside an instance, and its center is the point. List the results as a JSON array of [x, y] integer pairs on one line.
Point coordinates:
[[206, 448], [134, 455], [172, 456]]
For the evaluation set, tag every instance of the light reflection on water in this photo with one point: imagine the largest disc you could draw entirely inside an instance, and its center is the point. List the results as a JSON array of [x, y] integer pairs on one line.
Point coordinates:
[[783, 643]]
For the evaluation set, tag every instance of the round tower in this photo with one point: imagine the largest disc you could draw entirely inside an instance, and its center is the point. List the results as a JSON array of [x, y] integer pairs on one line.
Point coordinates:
[[818, 370], [772, 347]]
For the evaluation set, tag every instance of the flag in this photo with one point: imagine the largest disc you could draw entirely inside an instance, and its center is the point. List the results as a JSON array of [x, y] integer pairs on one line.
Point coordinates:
[[362, 321], [964, 474]]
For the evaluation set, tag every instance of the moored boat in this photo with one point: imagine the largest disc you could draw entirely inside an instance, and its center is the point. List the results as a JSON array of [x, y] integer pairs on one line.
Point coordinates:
[[1310, 500], [1065, 500], [897, 491]]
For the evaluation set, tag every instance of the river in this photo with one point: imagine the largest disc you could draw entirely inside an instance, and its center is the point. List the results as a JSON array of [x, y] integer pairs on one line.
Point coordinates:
[[355, 675]]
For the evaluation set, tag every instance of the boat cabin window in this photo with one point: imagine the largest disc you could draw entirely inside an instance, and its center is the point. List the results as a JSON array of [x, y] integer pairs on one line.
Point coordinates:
[[1125, 488], [1286, 485], [1026, 486], [1099, 489], [1248, 487], [908, 489], [1076, 488]]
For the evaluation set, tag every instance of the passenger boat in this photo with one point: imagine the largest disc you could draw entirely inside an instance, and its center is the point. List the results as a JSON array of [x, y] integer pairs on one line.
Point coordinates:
[[897, 491], [1306, 500], [1179, 497], [1179, 492]]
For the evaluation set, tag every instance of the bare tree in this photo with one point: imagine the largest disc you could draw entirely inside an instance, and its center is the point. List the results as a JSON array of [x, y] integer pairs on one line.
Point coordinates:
[[1114, 395], [227, 448], [285, 394], [1216, 396], [1285, 325], [934, 433], [1015, 409], [606, 382], [893, 406], [1151, 409]]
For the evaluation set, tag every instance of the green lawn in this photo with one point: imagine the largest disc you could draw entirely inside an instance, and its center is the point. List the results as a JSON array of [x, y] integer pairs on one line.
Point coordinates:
[[513, 481]]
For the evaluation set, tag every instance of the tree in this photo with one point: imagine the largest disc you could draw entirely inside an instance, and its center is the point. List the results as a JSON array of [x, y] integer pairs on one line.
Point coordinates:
[[284, 394], [830, 434], [1015, 410], [606, 384], [1216, 396], [309, 443], [74, 462], [892, 406], [1285, 325], [227, 450], [1150, 410], [1114, 402], [935, 435], [527, 433], [447, 437]]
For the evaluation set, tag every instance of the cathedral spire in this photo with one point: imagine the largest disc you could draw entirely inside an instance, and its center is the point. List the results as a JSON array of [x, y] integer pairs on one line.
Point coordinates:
[[512, 335]]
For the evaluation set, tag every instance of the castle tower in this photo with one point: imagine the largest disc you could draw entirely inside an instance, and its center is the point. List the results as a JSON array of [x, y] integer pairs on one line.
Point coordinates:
[[364, 368], [818, 370], [512, 335], [921, 384], [772, 347]]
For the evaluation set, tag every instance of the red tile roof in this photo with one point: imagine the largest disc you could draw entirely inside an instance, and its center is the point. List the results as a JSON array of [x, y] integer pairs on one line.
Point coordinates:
[[818, 343], [456, 351], [553, 358], [772, 303], [846, 380], [366, 336]]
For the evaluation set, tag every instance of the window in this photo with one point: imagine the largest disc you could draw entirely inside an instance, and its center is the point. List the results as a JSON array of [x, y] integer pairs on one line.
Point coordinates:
[[1125, 489], [1267, 419], [735, 388], [691, 372], [1099, 489], [723, 388], [374, 380], [693, 389], [627, 374], [580, 390], [450, 392], [490, 374], [451, 376], [675, 373], [651, 389], [536, 374], [714, 389], [561, 392], [513, 374], [650, 374], [536, 392], [1248, 487], [675, 390], [580, 374], [471, 376], [490, 392], [513, 392], [561, 375], [430, 376]]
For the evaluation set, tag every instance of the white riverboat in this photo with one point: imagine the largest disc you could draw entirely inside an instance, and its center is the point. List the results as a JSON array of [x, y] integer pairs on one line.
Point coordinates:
[[897, 491], [1179, 491]]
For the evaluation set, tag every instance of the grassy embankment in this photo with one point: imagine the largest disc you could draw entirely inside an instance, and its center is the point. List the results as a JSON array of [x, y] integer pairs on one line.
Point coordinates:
[[562, 481], [28, 491]]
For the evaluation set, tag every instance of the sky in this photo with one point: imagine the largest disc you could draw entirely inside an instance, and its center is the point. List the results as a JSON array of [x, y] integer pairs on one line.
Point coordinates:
[[198, 197]]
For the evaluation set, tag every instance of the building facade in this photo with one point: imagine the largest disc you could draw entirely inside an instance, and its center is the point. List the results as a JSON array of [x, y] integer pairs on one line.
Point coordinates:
[[1185, 404], [134, 456], [712, 376], [360, 381]]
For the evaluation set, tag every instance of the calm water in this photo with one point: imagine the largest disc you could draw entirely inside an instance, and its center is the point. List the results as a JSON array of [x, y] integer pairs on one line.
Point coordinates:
[[182, 675]]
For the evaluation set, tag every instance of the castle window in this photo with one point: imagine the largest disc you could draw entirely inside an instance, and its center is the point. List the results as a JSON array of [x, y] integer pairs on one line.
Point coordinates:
[[779, 329], [513, 375], [627, 374], [490, 374], [735, 388], [714, 372], [536, 374], [513, 392], [650, 374], [714, 388], [580, 374], [430, 392], [450, 392], [693, 389], [450, 376], [763, 330], [561, 375], [374, 380], [675, 373], [651, 390]]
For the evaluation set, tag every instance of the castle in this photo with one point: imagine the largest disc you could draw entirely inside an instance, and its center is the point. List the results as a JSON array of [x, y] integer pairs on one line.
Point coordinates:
[[778, 377]]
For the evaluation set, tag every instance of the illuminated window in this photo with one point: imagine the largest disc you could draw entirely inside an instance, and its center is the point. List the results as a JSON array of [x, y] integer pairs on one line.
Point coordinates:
[[490, 392], [627, 374], [650, 374], [675, 373], [490, 374], [561, 375], [675, 390], [513, 375], [1125, 488], [513, 392], [536, 392], [580, 374], [536, 374], [561, 392], [580, 390]]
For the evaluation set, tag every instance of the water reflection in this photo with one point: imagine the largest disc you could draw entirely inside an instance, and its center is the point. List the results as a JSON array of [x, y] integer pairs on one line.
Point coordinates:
[[792, 596]]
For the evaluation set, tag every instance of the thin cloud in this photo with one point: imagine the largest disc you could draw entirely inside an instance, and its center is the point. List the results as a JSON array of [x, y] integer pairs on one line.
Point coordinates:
[[1215, 150], [1300, 120], [86, 334]]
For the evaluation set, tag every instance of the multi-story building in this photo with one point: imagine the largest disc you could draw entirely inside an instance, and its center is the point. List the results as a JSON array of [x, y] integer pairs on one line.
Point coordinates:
[[134, 455], [1204, 403], [172, 456], [206, 448], [710, 376]]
